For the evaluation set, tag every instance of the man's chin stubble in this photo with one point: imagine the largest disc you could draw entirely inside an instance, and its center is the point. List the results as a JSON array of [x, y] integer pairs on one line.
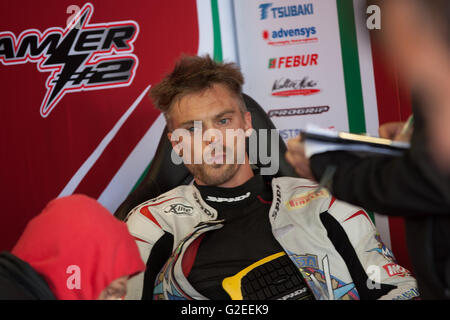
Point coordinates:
[[212, 178]]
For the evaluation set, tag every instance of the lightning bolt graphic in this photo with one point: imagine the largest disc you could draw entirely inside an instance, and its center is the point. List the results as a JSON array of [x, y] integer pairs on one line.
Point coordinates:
[[75, 66], [69, 62]]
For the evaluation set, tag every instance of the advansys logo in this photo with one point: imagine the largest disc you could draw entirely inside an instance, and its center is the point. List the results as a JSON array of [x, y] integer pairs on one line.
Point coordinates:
[[286, 87], [282, 37], [81, 57], [267, 10]]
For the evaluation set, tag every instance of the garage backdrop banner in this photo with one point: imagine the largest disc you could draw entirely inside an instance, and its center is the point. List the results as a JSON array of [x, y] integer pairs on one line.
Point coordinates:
[[75, 76]]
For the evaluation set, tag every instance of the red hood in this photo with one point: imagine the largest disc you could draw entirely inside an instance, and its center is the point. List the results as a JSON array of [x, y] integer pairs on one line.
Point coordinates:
[[78, 231]]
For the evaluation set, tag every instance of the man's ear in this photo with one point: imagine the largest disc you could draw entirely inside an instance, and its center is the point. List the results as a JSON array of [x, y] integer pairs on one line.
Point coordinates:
[[176, 139], [248, 123], [169, 129], [169, 136], [248, 120], [173, 143]]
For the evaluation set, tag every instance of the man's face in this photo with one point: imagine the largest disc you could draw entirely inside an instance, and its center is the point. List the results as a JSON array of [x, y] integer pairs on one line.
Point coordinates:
[[208, 117]]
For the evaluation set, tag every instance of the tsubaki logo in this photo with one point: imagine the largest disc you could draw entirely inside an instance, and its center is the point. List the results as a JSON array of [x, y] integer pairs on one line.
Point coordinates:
[[269, 11], [81, 57]]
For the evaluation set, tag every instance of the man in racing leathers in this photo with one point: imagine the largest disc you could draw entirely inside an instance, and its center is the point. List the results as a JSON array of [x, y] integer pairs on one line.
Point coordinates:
[[235, 233]]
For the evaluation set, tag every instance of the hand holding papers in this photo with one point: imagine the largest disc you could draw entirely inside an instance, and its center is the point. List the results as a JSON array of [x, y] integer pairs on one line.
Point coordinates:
[[319, 140]]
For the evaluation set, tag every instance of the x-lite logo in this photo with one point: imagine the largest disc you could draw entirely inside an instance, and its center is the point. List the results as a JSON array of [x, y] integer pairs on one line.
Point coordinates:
[[81, 57]]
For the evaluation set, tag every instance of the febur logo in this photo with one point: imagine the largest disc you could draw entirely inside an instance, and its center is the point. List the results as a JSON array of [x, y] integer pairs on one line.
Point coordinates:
[[293, 61]]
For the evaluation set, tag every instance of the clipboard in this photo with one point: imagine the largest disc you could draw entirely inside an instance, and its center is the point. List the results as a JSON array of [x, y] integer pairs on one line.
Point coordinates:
[[319, 140]]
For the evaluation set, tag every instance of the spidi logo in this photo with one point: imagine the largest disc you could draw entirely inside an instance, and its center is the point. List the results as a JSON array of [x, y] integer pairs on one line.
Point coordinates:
[[282, 36], [81, 57]]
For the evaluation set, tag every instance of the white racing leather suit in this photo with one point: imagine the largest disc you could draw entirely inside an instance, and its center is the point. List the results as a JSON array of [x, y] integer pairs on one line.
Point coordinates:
[[296, 217]]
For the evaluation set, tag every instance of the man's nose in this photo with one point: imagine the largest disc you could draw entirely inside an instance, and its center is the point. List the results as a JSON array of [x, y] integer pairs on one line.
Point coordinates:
[[213, 136]]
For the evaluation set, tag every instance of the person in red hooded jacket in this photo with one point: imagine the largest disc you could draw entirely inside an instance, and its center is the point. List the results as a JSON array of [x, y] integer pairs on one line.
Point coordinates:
[[73, 250]]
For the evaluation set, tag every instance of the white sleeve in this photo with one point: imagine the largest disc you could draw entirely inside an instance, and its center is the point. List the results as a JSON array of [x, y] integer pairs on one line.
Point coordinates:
[[146, 234], [376, 259]]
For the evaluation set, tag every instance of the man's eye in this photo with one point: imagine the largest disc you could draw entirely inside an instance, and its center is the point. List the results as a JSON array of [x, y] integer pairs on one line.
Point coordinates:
[[224, 121]]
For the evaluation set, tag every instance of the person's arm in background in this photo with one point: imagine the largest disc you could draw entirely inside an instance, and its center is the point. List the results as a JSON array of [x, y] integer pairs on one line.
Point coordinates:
[[406, 185]]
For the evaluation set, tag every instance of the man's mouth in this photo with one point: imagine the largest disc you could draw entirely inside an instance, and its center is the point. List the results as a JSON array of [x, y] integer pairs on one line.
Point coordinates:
[[218, 158]]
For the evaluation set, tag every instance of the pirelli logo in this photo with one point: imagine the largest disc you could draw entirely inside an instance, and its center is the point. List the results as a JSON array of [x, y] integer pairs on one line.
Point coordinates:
[[299, 201]]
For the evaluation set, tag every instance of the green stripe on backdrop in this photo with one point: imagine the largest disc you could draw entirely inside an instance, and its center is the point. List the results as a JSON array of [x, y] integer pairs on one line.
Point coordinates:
[[218, 56], [141, 177], [350, 60], [352, 73]]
